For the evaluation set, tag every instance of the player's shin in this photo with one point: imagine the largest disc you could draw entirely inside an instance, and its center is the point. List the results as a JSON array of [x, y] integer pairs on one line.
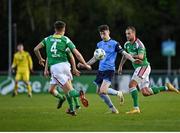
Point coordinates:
[[76, 101], [134, 94], [70, 102], [56, 94], [73, 93], [15, 89], [119, 94], [112, 91], [29, 89], [106, 99], [158, 89]]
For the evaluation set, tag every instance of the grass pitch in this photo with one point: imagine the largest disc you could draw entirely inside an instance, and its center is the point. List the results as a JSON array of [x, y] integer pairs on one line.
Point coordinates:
[[160, 112]]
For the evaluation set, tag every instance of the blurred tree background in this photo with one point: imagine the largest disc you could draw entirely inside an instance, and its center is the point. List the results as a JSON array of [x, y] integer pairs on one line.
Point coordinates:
[[155, 21]]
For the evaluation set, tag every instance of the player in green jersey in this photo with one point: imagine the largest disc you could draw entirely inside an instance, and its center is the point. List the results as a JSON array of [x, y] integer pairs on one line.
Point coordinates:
[[74, 72], [140, 77], [56, 46]]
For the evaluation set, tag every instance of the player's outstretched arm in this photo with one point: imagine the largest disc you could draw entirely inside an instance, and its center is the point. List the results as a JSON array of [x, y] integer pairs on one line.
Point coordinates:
[[73, 64], [81, 59], [130, 57], [38, 54], [123, 60], [90, 62]]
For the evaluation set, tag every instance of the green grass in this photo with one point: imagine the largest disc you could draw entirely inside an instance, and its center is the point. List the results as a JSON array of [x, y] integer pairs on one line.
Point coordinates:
[[159, 113]]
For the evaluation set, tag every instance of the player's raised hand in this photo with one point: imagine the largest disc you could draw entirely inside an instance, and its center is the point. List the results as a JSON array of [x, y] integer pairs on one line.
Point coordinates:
[[76, 72], [41, 62], [138, 61]]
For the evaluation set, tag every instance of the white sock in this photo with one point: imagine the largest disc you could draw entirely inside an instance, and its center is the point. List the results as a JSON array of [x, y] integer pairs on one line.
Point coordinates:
[[166, 88], [112, 91], [136, 107], [55, 93]]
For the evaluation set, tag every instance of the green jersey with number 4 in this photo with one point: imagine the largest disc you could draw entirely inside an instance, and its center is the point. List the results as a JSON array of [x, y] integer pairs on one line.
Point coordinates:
[[137, 48], [56, 46]]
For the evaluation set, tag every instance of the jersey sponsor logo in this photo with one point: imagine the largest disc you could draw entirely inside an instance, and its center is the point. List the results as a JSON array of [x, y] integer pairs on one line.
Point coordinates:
[[133, 53], [55, 40], [55, 55]]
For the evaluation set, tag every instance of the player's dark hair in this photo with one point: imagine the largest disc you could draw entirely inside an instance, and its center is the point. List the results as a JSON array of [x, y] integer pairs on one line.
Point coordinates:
[[20, 44], [132, 28], [102, 28], [59, 25]]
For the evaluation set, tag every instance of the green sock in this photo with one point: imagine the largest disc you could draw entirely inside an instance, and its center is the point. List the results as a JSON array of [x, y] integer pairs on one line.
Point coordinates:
[[57, 94], [162, 88], [76, 101], [134, 94], [158, 89], [70, 102], [73, 93]]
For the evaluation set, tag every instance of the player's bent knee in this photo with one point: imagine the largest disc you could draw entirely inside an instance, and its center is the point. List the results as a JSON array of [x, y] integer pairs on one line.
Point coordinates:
[[132, 84], [102, 91], [51, 90]]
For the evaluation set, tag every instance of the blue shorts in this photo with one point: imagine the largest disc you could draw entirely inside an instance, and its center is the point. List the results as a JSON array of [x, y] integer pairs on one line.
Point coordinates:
[[103, 75]]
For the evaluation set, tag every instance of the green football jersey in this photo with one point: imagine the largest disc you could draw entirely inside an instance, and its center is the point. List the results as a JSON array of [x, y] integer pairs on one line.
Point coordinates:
[[69, 54], [137, 48], [56, 46]]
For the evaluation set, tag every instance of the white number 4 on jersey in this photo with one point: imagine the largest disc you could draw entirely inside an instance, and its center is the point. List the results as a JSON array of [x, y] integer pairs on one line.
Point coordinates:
[[53, 48]]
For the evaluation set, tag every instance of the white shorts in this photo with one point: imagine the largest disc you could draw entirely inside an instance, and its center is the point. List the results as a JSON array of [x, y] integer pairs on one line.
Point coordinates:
[[141, 76], [60, 73]]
